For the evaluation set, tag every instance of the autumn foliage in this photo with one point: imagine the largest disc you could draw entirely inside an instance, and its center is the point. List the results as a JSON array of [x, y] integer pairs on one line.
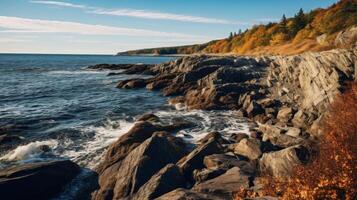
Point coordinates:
[[289, 36], [332, 174], [293, 35]]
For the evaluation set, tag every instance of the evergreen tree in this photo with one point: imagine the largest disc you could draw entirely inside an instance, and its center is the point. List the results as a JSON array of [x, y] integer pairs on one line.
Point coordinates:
[[240, 32], [299, 22], [231, 35], [283, 24]]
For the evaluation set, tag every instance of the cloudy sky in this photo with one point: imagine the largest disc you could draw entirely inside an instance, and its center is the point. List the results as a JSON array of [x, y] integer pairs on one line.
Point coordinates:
[[109, 26]]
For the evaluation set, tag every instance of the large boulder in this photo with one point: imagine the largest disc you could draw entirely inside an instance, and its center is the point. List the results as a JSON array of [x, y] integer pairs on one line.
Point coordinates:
[[281, 163], [41, 180], [224, 186], [248, 147], [194, 160], [167, 179], [347, 37], [126, 143], [285, 114], [139, 166], [117, 151], [278, 136]]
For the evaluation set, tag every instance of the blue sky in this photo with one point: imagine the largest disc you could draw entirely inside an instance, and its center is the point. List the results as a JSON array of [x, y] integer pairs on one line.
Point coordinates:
[[106, 27]]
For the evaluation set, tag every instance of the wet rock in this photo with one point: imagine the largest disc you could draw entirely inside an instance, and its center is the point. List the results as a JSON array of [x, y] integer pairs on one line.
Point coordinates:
[[139, 69], [224, 186], [167, 179], [131, 84], [281, 163], [148, 117], [194, 160], [126, 143], [36, 180], [249, 148], [138, 167], [109, 66]]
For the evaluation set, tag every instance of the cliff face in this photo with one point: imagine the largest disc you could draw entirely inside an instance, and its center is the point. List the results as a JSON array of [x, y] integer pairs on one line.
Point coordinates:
[[311, 80], [285, 95]]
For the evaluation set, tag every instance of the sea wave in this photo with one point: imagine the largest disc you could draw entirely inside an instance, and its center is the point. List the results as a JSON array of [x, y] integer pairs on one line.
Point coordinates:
[[89, 153], [205, 122], [30, 151]]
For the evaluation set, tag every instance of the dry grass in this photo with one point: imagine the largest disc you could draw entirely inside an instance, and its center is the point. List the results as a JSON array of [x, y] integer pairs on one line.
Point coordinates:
[[290, 48], [332, 174]]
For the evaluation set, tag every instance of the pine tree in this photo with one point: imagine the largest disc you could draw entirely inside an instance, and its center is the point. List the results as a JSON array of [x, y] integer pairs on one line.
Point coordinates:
[[299, 22], [230, 35], [240, 32], [283, 25]]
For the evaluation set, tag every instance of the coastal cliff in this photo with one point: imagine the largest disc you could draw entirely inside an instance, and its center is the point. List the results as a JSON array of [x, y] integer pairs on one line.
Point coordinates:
[[285, 96]]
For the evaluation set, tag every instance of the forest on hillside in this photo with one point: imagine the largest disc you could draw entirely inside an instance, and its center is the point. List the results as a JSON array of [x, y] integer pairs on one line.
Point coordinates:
[[306, 31]]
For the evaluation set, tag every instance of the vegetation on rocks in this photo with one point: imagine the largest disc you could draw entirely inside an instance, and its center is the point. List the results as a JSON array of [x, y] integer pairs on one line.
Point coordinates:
[[332, 173]]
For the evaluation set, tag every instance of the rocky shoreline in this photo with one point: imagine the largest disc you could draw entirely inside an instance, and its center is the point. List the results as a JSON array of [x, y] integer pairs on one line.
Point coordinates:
[[285, 96]]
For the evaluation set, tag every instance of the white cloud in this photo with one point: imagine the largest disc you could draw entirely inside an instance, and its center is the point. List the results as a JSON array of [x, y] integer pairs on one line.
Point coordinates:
[[13, 40], [60, 3], [142, 13], [25, 25], [160, 15]]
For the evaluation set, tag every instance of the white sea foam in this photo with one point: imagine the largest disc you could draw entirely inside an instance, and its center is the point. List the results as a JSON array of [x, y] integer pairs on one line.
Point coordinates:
[[30, 150], [207, 121], [89, 153]]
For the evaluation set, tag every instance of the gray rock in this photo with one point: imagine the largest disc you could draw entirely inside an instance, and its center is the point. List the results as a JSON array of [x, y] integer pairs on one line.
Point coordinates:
[[285, 114], [201, 175], [124, 178], [143, 162], [194, 160], [347, 37], [167, 179], [224, 186], [249, 148], [292, 131], [277, 136], [281, 163]]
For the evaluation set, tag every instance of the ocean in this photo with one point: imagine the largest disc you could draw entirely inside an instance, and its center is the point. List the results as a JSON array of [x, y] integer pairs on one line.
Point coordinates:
[[53, 101]]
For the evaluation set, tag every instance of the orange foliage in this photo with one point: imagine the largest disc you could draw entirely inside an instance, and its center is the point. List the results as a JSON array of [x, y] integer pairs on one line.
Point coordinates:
[[329, 21]]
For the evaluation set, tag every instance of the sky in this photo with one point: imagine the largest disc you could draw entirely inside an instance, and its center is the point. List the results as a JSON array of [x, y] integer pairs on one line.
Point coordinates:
[[111, 26]]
